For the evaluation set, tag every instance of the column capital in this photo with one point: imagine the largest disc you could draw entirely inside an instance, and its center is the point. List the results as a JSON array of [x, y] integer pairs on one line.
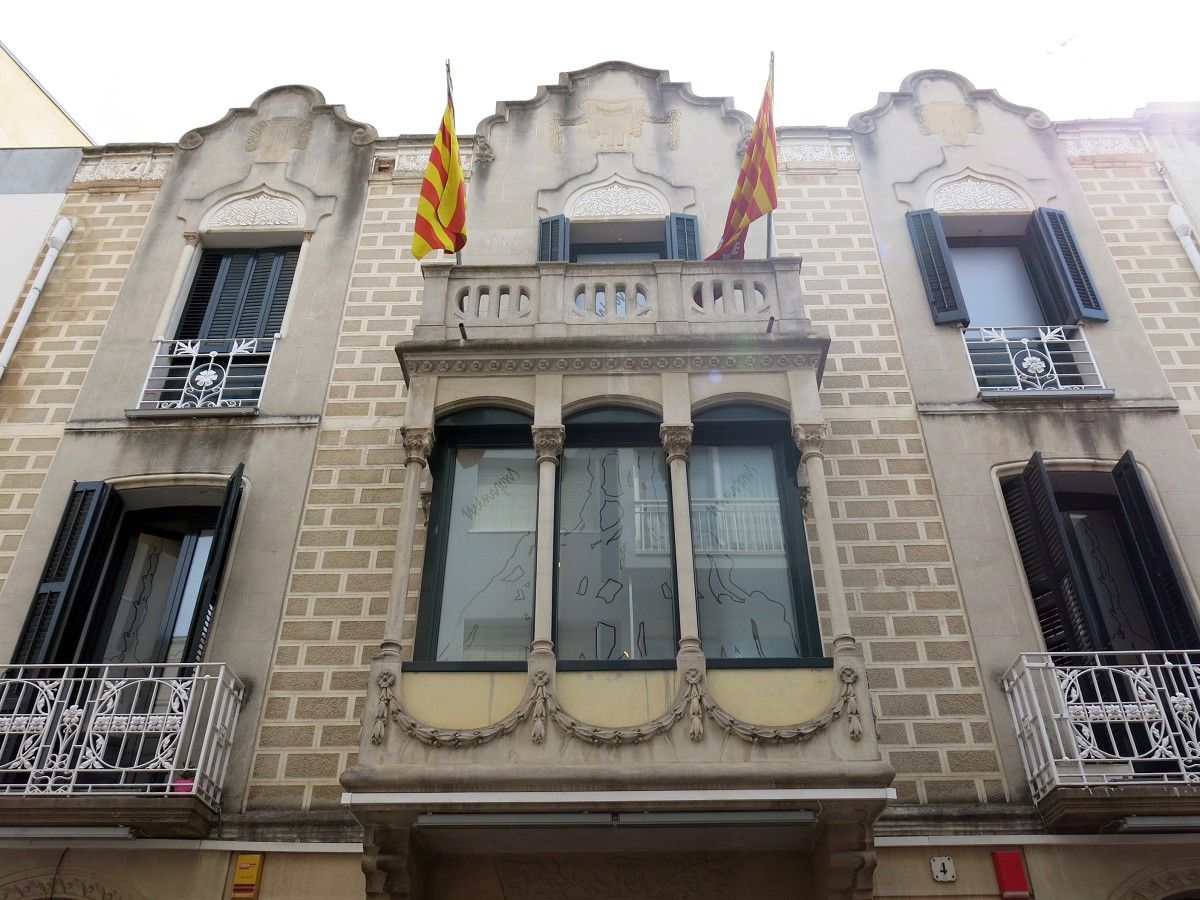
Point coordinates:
[[808, 437], [191, 238], [676, 440], [417, 444], [548, 442]]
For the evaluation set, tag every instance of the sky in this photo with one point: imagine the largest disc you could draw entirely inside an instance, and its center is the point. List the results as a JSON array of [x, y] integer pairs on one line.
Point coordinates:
[[132, 73]]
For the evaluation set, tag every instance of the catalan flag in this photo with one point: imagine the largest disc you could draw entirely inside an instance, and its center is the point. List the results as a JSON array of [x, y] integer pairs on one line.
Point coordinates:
[[754, 195], [442, 208]]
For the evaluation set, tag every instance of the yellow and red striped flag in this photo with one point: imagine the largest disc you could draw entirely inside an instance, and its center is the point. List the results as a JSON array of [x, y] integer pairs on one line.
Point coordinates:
[[442, 208], [754, 195]]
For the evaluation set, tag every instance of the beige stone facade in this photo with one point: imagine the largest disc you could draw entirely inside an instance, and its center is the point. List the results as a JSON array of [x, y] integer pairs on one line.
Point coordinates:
[[363, 762]]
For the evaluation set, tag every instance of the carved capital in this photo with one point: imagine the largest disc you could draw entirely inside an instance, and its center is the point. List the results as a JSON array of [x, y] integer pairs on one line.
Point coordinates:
[[808, 437], [548, 442], [191, 238], [676, 440], [417, 444]]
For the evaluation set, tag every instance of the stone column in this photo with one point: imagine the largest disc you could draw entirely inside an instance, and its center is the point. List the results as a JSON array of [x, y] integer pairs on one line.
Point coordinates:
[[548, 442], [808, 437], [417, 444], [677, 441]]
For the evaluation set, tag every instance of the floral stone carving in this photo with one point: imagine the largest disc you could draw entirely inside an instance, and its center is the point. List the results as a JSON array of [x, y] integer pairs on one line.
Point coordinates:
[[257, 210], [974, 193], [616, 199]]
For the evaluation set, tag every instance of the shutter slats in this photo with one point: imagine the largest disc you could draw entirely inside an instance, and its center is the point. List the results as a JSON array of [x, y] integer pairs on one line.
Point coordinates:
[[239, 293], [683, 236], [554, 239], [1067, 274], [200, 295], [283, 289], [937, 270], [214, 569], [1154, 563]]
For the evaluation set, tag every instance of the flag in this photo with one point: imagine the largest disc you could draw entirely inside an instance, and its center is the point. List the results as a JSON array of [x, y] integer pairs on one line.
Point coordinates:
[[442, 208], [754, 195]]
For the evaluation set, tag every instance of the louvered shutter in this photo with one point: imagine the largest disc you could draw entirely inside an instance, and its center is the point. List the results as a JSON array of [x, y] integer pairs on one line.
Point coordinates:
[[554, 239], [683, 236], [238, 293], [71, 574], [209, 273], [1158, 576], [214, 569], [1066, 273], [282, 290], [1064, 611], [937, 269]]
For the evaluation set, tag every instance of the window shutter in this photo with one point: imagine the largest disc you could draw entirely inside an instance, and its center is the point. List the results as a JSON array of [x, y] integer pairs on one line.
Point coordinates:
[[1063, 610], [1160, 579], [208, 274], [283, 289], [683, 236], [554, 239], [1066, 272], [214, 569], [238, 294], [72, 570], [937, 269]]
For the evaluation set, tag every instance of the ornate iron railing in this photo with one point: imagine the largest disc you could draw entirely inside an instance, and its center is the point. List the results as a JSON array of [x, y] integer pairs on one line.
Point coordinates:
[[162, 729], [207, 374], [1085, 719], [1031, 358]]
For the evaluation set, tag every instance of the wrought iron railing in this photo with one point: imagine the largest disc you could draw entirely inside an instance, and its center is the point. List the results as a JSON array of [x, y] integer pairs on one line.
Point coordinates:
[[1085, 719], [161, 729], [207, 374], [1031, 358], [718, 526]]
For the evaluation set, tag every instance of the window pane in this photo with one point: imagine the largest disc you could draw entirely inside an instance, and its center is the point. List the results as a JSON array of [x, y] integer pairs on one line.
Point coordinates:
[[143, 599], [996, 286], [616, 581], [1105, 565], [191, 593], [487, 593], [743, 583]]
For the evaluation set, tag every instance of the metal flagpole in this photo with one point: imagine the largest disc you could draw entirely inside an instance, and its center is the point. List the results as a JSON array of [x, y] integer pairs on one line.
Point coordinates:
[[771, 212], [450, 98]]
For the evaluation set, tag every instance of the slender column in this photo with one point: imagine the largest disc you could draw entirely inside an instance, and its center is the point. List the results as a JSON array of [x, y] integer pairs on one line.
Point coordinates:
[[417, 444], [677, 441], [808, 437], [548, 442]]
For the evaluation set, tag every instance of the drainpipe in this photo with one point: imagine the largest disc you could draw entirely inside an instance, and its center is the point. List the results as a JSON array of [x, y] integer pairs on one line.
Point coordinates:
[[54, 243], [1182, 227]]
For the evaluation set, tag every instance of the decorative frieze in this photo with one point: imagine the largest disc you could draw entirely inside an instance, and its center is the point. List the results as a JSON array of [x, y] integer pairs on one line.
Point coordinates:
[[1082, 144], [606, 364], [129, 169], [815, 155]]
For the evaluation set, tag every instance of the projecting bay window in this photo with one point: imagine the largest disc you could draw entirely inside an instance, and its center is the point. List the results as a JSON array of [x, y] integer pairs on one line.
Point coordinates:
[[1021, 293]]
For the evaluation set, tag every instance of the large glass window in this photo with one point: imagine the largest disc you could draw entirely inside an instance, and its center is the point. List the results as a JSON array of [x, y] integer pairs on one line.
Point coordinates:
[[478, 586], [753, 589]]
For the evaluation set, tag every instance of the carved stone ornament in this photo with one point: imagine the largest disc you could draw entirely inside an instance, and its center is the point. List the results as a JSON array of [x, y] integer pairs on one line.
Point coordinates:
[[972, 193], [1111, 144], [417, 444], [1167, 881], [63, 885], [761, 362], [950, 121], [798, 156], [809, 435], [692, 701], [614, 123], [279, 134], [548, 441], [258, 210], [615, 200], [676, 440], [110, 168]]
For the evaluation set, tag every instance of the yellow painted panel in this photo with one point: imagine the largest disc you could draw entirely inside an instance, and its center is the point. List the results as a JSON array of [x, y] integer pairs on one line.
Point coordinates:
[[461, 699], [772, 696], [616, 699]]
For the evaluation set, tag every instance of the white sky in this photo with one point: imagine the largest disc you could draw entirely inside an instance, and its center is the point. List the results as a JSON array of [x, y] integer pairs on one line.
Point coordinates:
[[130, 72]]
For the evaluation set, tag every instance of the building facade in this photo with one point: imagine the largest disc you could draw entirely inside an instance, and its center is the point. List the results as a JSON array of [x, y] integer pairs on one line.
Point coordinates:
[[589, 568]]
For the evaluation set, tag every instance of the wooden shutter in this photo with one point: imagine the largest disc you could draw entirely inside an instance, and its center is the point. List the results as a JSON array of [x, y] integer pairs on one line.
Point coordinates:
[[1153, 563], [554, 239], [238, 293], [1066, 275], [937, 269], [283, 289], [1064, 611], [683, 236], [73, 566], [214, 569]]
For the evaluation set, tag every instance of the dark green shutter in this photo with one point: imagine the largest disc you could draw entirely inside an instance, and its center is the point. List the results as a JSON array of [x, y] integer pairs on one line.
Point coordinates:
[[282, 290], [554, 239], [73, 566], [238, 293], [937, 269], [1065, 272], [1063, 609], [683, 236], [214, 569], [1154, 565]]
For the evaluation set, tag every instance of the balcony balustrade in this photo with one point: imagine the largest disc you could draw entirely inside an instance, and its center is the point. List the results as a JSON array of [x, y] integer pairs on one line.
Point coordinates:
[[1025, 359], [162, 729], [207, 374]]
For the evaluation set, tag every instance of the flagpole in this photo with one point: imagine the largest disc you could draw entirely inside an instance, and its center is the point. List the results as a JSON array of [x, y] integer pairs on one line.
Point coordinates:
[[771, 212], [450, 97]]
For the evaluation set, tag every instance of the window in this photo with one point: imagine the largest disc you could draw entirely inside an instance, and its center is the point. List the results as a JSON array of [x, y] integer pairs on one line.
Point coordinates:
[[1097, 561], [129, 586], [753, 584], [477, 590], [615, 597], [618, 240]]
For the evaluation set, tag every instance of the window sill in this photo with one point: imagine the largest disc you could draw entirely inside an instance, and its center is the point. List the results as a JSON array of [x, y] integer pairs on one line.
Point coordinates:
[[205, 413], [1083, 394], [804, 662]]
